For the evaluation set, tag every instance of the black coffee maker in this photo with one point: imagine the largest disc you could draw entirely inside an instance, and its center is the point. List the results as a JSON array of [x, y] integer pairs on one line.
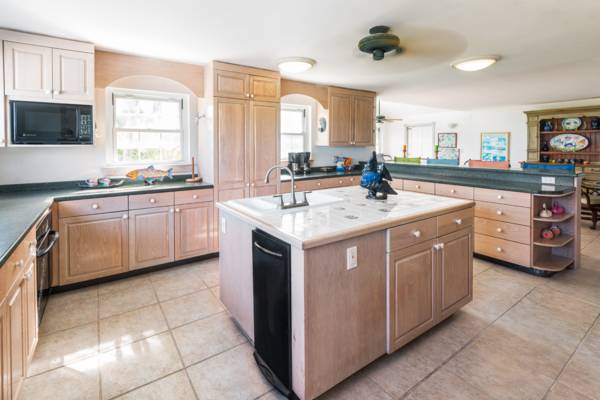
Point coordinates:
[[299, 162]]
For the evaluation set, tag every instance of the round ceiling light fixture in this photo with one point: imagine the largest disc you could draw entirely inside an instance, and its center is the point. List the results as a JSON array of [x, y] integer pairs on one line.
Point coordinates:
[[475, 63], [295, 65]]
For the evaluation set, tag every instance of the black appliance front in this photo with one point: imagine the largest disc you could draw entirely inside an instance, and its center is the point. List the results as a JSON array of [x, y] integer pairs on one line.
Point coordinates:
[[51, 123], [46, 240], [272, 310]]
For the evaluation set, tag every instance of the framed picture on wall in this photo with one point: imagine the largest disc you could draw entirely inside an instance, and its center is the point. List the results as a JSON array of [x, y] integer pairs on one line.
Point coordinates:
[[447, 139], [495, 146]]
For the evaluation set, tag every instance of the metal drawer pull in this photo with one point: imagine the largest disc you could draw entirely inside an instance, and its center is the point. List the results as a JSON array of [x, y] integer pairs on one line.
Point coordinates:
[[416, 233], [500, 197], [499, 230], [152, 200], [267, 251], [453, 191], [499, 212], [438, 246], [125, 216], [177, 210], [499, 249], [95, 206], [19, 264], [418, 186], [195, 196], [28, 275], [458, 221], [171, 210]]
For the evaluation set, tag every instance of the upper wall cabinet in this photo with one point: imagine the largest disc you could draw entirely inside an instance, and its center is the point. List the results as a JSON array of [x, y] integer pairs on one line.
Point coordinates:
[[239, 82], [48, 74], [351, 118]]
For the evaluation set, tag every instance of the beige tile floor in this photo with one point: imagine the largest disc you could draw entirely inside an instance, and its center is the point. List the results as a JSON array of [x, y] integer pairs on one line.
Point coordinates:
[[165, 335]]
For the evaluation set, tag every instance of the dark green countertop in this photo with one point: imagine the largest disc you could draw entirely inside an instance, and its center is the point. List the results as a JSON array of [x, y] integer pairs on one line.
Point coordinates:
[[21, 206]]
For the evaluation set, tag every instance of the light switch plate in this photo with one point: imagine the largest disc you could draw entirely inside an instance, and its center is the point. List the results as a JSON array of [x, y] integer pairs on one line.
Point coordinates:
[[549, 180], [351, 257], [223, 225]]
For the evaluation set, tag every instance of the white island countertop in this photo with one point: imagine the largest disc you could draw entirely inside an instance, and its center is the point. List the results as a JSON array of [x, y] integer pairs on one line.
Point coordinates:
[[338, 213]]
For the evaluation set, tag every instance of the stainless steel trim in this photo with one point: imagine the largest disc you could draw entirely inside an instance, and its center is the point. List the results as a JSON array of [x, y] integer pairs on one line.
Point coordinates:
[[267, 251]]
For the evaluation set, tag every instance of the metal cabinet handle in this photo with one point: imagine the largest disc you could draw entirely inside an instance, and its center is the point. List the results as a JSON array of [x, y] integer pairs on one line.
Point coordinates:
[[171, 210], [416, 233], [252, 95], [499, 249], [152, 200], [499, 230], [500, 197], [28, 275], [438, 246], [195, 196], [458, 221], [177, 210], [125, 216], [48, 91], [247, 94], [267, 251], [318, 183], [499, 212], [19, 264], [452, 191], [418, 186], [95, 206], [341, 181], [56, 92]]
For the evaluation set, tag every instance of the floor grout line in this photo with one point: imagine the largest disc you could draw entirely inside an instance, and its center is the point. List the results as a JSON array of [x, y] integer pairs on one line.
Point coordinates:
[[587, 333]]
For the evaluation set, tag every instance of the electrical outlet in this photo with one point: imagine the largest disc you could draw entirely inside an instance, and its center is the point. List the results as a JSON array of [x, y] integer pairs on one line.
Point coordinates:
[[549, 180], [223, 225], [351, 257]]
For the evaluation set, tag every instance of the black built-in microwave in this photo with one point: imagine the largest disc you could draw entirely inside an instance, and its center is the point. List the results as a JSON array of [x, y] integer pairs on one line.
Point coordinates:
[[51, 123]]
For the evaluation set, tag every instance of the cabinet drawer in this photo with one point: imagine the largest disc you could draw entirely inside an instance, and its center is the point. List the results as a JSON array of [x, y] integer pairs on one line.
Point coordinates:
[[403, 236], [505, 250], [421, 187], [193, 196], [502, 212], [459, 192], [503, 197], [16, 263], [454, 221], [151, 200], [74, 208], [397, 184], [503, 230]]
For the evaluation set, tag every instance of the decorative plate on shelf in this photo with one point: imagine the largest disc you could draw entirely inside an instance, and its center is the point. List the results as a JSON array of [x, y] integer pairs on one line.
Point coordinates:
[[570, 124], [569, 142]]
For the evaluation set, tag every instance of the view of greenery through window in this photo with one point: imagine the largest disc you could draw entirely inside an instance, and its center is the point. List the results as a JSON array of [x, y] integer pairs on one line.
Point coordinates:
[[147, 129], [294, 129]]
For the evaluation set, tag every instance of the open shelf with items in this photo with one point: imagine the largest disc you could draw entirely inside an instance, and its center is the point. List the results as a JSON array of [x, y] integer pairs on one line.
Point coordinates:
[[561, 251]]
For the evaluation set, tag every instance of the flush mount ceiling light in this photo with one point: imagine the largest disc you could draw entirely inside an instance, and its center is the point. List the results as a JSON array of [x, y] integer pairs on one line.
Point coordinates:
[[475, 63], [379, 42], [295, 65]]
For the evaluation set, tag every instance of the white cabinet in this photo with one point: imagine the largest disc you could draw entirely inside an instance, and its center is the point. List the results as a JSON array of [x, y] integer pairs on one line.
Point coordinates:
[[27, 70], [72, 75], [48, 74]]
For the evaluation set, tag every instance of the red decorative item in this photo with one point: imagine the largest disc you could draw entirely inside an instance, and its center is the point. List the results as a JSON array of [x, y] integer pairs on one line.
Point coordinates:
[[557, 209], [547, 234], [555, 230]]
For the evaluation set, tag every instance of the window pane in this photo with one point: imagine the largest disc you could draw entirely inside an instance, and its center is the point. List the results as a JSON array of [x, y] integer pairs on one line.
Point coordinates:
[[148, 147], [291, 143], [140, 113], [292, 121], [420, 141]]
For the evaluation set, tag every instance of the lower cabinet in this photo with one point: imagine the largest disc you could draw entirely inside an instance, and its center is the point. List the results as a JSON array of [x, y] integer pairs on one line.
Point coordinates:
[[93, 246], [193, 224], [5, 373], [17, 312], [151, 233], [428, 282]]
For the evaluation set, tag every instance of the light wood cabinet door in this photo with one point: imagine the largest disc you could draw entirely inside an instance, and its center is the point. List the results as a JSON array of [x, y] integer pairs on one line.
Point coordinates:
[[31, 311], [73, 75], [264, 89], [264, 122], [412, 293], [231, 118], [151, 237], [18, 335], [341, 119], [455, 260], [93, 246], [231, 84], [193, 224], [27, 70], [364, 121], [5, 374]]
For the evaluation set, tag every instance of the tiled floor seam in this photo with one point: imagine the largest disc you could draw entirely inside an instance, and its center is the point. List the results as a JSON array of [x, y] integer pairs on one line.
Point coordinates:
[[409, 391], [587, 333], [145, 384]]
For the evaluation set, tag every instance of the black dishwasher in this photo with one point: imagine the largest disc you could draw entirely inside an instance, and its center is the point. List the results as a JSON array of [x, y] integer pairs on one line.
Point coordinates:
[[272, 310]]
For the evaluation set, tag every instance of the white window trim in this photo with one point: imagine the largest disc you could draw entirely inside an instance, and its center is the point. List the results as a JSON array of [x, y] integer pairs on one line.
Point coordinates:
[[110, 130], [307, 126], [408, 127]]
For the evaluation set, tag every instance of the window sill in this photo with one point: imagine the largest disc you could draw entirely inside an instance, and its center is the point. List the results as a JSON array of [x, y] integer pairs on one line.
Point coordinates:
[[122, 170]]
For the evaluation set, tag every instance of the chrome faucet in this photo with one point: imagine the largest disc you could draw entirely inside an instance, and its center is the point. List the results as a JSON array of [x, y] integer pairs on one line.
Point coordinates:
[[293, 203]]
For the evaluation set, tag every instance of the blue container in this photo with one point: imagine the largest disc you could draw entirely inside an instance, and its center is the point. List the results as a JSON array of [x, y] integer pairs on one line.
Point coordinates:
[[548, 167], [433, 161]]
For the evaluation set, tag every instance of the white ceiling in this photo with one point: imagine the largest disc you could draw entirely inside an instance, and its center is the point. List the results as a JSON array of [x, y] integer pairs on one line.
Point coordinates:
[[550, 48]]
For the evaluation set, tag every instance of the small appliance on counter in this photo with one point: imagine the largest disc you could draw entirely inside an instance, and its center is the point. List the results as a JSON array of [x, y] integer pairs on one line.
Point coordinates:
[[299, 162]]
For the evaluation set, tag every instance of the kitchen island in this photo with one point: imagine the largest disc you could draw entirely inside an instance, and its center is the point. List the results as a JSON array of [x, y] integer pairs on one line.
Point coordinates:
[[365, 277]]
